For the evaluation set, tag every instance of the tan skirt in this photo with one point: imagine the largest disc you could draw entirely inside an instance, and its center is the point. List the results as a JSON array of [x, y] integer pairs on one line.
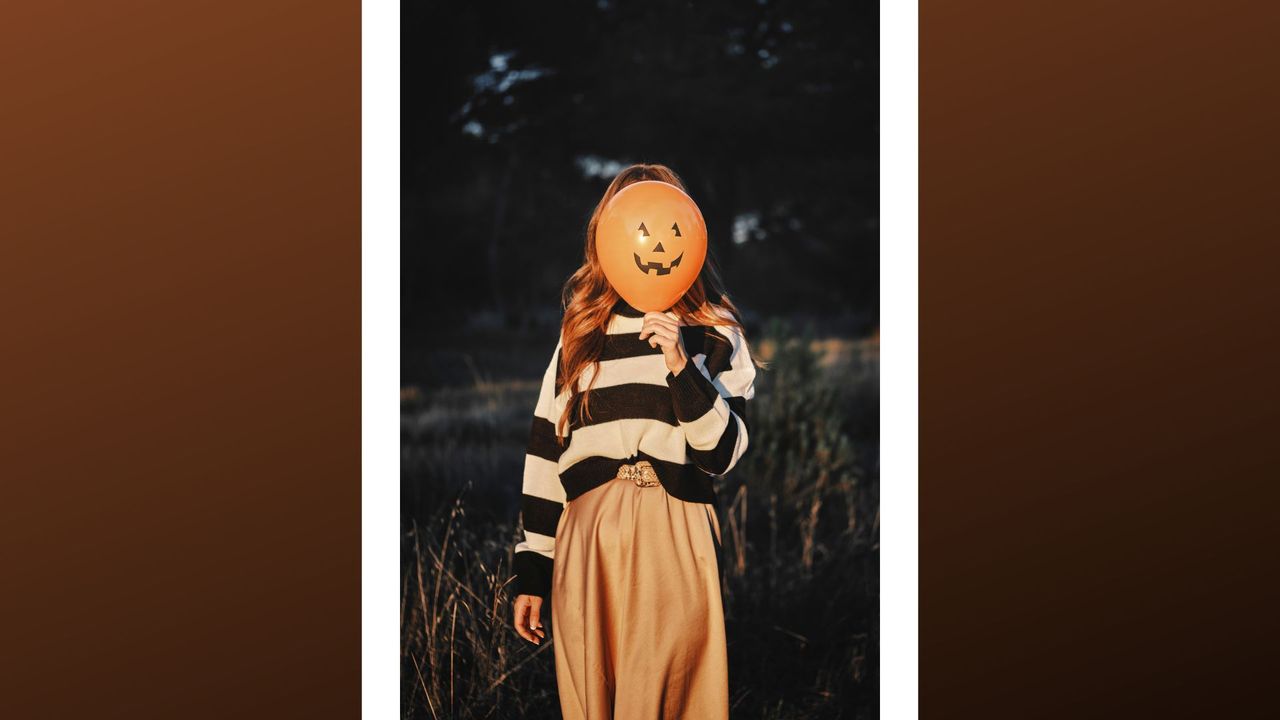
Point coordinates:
[[636, 613]]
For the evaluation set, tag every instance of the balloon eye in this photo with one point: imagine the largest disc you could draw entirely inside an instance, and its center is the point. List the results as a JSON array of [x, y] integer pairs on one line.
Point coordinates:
[[644, 231], [676, 227]]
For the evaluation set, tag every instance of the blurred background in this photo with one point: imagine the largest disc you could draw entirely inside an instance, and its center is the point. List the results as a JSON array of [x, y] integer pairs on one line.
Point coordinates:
[[515, 116]]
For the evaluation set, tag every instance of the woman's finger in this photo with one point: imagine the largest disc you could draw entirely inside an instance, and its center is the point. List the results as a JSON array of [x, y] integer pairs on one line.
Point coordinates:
[[654, 324], [662, 338], [522, 614], [535, 621], [668, 335], [650, 324], [663, 319]]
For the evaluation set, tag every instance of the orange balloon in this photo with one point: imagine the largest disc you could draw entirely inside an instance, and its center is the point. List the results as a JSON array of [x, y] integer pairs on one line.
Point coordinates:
[[651, 241]]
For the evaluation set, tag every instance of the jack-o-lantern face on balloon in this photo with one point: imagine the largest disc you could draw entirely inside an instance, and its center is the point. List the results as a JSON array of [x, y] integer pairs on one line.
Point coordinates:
[[651, 241]]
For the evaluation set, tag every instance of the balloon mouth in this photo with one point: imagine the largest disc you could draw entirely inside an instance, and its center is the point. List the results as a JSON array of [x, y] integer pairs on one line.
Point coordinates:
[[657, 267]]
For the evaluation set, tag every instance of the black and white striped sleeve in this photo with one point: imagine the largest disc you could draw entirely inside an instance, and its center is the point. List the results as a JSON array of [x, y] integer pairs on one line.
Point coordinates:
[[710, 400], [542, 494]]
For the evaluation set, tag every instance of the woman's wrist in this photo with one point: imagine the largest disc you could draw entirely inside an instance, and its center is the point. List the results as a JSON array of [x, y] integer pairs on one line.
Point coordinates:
[[678, 365]]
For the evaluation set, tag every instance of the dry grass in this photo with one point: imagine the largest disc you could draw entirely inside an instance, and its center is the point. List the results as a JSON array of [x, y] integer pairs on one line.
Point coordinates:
[[800, 517]]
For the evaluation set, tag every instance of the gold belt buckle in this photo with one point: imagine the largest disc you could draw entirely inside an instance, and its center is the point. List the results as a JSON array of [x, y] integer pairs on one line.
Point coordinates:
[[642, 473]]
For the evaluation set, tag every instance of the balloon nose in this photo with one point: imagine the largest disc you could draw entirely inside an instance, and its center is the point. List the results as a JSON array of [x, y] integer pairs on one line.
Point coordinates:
[[658, 248]]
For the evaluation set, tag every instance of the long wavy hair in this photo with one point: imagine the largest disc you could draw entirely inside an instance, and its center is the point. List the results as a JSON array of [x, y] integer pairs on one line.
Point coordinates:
[[588, 300]]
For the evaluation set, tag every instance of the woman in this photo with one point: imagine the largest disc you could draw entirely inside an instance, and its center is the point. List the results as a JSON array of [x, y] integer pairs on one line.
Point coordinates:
[[637, 413]]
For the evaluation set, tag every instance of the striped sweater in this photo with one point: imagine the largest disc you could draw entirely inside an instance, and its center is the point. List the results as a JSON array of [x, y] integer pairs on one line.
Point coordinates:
[[690, 427]]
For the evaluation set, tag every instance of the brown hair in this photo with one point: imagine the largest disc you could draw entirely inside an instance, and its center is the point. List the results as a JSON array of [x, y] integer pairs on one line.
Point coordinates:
[[588, 300]]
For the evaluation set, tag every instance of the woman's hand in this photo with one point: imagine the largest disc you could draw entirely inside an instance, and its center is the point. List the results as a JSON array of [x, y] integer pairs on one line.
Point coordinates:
[[529, 619], [663, 330]]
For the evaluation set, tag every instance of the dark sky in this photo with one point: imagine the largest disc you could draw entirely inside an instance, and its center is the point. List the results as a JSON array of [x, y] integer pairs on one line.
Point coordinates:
[[515, 116]]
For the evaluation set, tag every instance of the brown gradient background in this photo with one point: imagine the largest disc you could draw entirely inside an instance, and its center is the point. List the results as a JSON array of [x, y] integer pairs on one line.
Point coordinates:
[[179, 506], [1097, 359], [180, 444]]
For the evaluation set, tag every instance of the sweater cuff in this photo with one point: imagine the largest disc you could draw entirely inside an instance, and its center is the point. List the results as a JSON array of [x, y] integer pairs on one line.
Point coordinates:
[[533, 574], [692, 394]]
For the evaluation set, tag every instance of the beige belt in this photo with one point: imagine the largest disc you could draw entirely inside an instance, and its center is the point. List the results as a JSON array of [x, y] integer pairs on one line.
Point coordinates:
[[642, 473]]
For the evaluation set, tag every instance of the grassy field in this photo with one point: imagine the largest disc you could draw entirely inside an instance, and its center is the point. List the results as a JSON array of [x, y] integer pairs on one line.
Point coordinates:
[[799, 516]]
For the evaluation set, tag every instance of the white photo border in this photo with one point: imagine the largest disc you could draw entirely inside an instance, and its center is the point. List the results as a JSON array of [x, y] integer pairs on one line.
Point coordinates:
[[899, 345], [380, 360]]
